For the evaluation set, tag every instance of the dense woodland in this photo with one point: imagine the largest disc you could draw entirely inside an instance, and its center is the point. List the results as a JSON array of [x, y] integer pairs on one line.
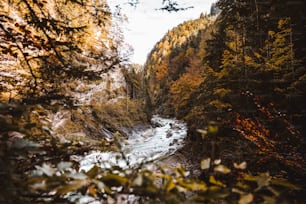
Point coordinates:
[[236, 76], [242, 72]]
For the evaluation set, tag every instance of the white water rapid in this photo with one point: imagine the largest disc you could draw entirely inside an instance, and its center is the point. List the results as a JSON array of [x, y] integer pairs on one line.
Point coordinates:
[[161, 140]]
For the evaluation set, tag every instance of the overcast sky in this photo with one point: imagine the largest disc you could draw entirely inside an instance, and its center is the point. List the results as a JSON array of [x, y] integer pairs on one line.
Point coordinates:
[[147, 25]]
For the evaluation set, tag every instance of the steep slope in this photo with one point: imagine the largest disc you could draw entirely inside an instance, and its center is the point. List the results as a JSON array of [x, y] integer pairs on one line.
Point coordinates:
[[179, 51], [240, 81]]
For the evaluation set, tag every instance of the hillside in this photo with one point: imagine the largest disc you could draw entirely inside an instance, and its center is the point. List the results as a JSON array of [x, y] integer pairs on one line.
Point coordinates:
[[238, 81], [179, 51]]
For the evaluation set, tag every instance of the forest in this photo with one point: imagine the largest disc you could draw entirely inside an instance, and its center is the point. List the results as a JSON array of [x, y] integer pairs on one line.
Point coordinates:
[[235, 78]]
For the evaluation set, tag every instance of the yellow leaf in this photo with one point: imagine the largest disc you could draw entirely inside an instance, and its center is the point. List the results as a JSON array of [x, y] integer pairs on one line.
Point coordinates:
[[246, 198], [236, 190], [192, 185], [213, 180], [249, 177], [217, 161], [284, 183], [205, 164], [222, 169], [212, 129], [243, 186], [242, 165], [170, 185], [271, 33]]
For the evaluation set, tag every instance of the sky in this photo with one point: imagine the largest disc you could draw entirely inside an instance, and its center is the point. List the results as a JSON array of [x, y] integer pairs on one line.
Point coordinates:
[[146, 25]]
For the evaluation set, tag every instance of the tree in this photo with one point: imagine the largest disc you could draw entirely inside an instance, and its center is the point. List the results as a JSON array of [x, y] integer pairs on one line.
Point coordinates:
[[279, 48], [181, 89], [56, 40], [171, 56]]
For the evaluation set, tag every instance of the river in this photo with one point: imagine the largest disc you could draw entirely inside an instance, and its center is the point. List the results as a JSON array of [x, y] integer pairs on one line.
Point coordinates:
[[162, 139]]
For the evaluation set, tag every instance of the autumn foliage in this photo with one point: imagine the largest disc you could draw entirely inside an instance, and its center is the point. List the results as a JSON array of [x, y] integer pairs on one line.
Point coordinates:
[[270, 143], [245, 70], [181, 89]]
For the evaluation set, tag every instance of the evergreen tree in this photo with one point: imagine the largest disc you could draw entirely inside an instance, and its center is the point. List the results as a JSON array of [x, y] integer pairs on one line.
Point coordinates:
[[56, 40], [280, 54]]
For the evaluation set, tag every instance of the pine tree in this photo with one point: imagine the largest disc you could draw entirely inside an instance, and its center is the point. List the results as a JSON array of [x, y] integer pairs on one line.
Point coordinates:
[[280, 54], [56, 40]]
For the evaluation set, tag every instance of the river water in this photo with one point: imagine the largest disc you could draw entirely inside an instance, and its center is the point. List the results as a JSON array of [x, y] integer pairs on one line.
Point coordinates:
[[161, 140]]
